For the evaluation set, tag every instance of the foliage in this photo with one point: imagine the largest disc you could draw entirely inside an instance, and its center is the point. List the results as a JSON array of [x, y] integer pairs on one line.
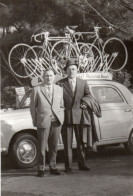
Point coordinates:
[[8, 98], [86, 13], [125, 78], [22, 18]]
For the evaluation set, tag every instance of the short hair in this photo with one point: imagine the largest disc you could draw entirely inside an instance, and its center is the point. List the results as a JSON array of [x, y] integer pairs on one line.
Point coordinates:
[[48, 69]]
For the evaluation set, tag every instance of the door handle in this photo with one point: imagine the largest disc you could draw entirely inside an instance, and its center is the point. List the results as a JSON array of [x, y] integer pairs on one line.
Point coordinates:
[[127, 110]]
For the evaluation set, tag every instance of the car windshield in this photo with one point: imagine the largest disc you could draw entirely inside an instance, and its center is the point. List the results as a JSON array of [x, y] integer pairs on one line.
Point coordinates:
[[25, 102]]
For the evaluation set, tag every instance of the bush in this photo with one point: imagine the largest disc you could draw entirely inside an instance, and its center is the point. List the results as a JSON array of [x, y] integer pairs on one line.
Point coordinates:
[[8, 99], [125, 78]]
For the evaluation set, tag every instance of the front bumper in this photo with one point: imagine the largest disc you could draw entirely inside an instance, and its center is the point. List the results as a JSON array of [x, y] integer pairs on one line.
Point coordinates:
[[3, 151]]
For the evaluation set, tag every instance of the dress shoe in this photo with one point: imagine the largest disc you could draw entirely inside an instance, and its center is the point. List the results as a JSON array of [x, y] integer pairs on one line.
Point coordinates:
[[40, 173], [68, 170], [54, 171], [89, 149], [84, 168]]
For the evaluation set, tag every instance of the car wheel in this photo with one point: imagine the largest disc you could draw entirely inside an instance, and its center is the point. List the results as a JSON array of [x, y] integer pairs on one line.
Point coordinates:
[[129, 145], [24, 150]]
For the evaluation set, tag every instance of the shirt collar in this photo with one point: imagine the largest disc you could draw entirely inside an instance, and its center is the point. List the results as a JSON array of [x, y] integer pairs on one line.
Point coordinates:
[[70, 80], [48, 86]]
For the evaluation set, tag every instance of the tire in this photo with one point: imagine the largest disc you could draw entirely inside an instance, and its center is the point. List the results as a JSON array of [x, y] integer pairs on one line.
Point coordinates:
[[24, 150], [90, 58], [20, 60], [60, 52], [117, 54], [129, 145]]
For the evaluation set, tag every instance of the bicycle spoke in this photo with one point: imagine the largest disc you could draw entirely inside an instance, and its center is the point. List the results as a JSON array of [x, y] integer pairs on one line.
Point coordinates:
[[93, 56], [18, 57], [60, 52]]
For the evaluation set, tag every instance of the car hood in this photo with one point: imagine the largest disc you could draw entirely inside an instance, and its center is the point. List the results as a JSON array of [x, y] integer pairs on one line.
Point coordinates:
[[14, 114]]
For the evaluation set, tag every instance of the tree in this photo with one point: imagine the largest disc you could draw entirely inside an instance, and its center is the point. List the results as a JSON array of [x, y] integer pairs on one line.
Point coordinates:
[[20, 19], [22, 15]]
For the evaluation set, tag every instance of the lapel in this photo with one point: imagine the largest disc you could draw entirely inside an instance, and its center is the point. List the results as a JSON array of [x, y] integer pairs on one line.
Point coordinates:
[[68, 88], [54, 95], [43, 90]]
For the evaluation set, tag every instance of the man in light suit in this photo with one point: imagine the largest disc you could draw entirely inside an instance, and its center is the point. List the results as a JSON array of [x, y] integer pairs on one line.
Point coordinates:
[[47, 111], [73, 90]]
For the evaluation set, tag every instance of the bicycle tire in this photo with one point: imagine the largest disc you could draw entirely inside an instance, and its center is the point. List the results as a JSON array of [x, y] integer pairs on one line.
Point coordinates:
[[18, 62], [60, 52], [92, 56], [112, 47]]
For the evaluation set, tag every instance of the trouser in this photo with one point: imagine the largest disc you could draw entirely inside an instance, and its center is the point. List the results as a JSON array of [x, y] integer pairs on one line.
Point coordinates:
[[48, 137], [67, 135]]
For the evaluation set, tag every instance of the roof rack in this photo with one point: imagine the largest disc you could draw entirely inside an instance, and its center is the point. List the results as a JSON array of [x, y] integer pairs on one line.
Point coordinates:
[[95, 76], [37, 80]]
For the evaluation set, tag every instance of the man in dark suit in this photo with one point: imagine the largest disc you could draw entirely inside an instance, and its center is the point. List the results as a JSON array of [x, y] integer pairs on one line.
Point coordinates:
[[47, 111], [73, 91]]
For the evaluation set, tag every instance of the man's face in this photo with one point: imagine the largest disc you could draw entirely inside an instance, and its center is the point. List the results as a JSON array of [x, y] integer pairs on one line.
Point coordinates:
[[72, 71], [49, 77]]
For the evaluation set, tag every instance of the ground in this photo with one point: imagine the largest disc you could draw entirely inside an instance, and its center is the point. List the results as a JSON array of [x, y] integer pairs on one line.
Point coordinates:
[[111, 174]]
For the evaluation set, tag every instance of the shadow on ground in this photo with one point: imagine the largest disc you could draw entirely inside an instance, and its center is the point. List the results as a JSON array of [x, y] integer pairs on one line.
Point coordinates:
[[104, 159]]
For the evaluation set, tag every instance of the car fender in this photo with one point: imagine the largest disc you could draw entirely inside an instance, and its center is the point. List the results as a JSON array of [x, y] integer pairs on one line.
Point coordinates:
[[130, 127], [10, 129]]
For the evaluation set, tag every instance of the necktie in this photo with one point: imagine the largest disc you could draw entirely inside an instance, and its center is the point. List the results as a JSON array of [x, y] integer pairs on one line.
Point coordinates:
[[49, 92], [73, 86]]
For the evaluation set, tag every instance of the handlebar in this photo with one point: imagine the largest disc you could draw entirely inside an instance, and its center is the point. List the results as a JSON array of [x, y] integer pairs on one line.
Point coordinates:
[[111, 29], [42, 35]]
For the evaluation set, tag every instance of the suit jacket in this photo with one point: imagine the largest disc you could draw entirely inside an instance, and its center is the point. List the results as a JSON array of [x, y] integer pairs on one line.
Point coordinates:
[[72, 101], [42, 109]]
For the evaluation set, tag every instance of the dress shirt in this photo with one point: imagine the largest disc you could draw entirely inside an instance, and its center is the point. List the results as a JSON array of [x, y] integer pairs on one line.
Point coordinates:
[[49, 90], [72, 83]]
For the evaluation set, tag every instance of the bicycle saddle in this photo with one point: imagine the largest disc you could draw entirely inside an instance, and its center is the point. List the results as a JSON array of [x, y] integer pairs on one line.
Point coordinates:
[[73, 27]]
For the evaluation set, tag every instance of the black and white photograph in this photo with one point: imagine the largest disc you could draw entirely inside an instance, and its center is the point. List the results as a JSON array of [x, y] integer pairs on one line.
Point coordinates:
[[66, 113]]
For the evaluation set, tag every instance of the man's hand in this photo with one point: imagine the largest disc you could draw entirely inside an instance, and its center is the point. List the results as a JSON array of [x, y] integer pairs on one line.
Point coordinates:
[[83, 106]]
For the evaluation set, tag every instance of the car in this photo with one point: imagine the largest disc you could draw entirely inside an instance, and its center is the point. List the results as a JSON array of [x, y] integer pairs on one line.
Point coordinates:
[[19, 136]]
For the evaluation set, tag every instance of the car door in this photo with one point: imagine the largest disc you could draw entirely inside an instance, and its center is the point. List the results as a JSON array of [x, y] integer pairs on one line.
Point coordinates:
[[116, 113]]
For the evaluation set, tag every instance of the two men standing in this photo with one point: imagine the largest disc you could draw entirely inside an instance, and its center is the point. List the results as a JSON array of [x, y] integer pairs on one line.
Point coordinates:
[[47, 110]]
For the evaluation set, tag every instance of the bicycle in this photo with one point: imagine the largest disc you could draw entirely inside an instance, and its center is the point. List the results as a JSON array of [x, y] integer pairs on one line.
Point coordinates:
[[88, 54], [114, 52]]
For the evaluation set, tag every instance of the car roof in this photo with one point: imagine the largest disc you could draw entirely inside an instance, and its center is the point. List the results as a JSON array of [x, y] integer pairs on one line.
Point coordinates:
[[101, 82]]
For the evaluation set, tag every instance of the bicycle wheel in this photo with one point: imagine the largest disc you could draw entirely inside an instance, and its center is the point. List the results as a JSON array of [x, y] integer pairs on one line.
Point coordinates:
[[21, 60], [60, 52], [90, 58], [116, 53]]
